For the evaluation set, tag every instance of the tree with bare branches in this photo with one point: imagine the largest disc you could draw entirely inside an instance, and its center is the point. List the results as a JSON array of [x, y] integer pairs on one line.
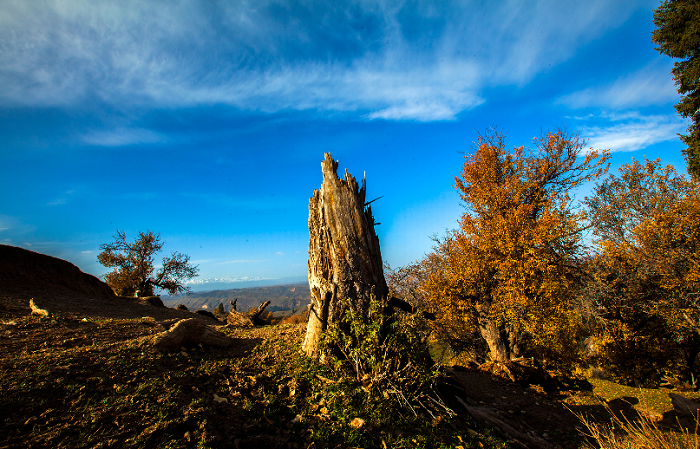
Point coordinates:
[[133, 265]]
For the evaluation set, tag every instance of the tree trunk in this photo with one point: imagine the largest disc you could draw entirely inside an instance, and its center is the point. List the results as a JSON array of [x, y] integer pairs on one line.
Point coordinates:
[[496, 338], [493, 336], [345, 262]]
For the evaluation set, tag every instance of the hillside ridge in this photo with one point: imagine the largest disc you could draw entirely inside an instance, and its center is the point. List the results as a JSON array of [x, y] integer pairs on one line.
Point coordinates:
[[61, 287], [19, 266]]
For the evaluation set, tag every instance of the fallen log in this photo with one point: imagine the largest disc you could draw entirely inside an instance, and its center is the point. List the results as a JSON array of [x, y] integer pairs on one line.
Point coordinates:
[[488, 417], [238, 319], [247, 319], [190, 331]]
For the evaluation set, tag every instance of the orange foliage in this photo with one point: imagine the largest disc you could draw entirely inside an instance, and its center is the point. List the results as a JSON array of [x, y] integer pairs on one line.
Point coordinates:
[[299, 318], [507, 272], [647, 224]]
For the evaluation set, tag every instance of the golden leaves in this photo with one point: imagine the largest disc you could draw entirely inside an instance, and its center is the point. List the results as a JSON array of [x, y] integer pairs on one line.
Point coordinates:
[[516, 240]]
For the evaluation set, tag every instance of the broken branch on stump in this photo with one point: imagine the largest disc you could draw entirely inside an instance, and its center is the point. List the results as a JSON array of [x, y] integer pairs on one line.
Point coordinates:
[[255, 313], [407, 307]]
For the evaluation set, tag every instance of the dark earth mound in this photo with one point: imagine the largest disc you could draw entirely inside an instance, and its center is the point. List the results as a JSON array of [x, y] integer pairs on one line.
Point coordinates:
[[19, 266], [60, 287]]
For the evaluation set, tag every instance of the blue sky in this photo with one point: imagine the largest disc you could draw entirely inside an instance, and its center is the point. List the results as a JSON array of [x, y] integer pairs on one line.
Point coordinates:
[[207, 121]]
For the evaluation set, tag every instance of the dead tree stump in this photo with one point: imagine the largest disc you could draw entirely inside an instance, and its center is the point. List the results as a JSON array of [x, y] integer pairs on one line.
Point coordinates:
[[345, 261]]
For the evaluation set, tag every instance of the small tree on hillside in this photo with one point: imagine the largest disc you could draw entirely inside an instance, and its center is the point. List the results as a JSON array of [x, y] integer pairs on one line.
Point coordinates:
[[509, 271], [134, 270]]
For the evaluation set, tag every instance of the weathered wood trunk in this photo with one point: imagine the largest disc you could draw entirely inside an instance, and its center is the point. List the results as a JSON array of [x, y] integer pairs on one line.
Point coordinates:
[[345, 261], [246, 319], [503, 342]]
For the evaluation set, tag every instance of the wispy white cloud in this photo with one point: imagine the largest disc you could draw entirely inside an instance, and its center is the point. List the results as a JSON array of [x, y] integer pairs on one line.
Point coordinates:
[[632, 131], [651, 85], [384, 60], [122, 137]]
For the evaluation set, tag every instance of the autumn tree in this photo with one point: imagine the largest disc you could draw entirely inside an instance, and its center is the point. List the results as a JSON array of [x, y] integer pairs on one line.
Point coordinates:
[[509, 271], [677, 35], [133, 265], [646, 285]]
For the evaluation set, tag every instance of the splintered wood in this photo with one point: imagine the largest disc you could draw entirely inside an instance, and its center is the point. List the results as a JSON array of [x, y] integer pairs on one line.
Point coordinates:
[[345, 261]]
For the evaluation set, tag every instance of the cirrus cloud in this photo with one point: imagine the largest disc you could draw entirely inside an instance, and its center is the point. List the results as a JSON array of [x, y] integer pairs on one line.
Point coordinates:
[[381, 60]]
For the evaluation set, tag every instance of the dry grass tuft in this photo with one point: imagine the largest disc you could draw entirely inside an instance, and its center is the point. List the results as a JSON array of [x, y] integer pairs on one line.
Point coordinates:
[[644, 433]]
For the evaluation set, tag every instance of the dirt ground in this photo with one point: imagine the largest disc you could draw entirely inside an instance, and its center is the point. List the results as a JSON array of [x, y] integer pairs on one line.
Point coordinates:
[[85, 377], [86, 329], [69, 304]]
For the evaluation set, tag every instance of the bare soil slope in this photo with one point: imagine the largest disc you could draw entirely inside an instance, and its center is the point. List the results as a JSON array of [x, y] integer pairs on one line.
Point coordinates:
[[60, 287]]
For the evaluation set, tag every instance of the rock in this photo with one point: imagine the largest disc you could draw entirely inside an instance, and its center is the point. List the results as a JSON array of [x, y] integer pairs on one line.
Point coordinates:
[[153, 300], [683, 405], [206, 313], [182, 307]]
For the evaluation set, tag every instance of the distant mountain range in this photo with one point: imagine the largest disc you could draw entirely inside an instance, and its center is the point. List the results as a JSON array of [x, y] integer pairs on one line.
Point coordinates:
[[281, 297], [226, 283]]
